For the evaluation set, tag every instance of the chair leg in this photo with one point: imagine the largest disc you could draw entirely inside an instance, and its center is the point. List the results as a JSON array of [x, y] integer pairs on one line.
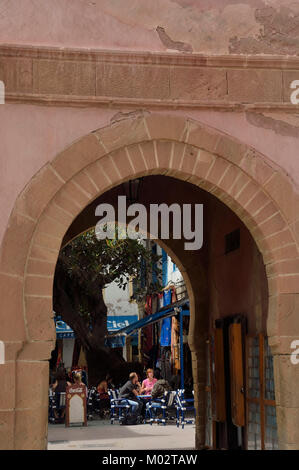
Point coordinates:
[[121, 414], [146, 415]]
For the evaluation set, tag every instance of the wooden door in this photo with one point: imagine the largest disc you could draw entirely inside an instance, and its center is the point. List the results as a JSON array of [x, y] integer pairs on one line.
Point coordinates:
[[236, 374]]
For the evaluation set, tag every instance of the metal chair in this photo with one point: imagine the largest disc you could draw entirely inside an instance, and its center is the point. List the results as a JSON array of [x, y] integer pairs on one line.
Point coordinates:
[[119, 407], [184, 405], [56, 403], [52, 407], [92, 402], [164, 404]]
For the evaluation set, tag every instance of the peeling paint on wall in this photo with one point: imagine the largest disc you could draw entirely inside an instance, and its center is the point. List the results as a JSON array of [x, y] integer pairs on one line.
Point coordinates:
[[170, 44], [278, 126], [120, 116], [279, 33]]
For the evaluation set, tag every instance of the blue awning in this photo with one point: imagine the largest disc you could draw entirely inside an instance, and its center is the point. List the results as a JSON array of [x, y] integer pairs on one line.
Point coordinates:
[[150, 319], [115, 323], [62, 329]]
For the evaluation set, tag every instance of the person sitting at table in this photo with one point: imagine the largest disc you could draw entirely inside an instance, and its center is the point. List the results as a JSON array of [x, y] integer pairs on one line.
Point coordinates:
[[130, 392], [79, 382], [59, 386], [109, 381], [102, 389], [160, 387], [148, 383], [61, 381], [78, 379]]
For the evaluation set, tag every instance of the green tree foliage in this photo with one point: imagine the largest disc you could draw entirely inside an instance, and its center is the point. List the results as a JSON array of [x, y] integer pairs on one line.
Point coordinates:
[[84, 268]]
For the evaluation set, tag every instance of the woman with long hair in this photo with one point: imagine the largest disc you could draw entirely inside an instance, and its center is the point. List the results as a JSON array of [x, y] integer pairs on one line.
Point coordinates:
[[148, 383]]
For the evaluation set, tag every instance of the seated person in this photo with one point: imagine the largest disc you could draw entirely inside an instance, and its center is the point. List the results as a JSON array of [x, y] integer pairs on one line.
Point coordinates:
[[160, 387], [78, 379], [102, 389], [130, 391], [60, 382], [82, 372], [109, 381], [148, 383], [59, 386]]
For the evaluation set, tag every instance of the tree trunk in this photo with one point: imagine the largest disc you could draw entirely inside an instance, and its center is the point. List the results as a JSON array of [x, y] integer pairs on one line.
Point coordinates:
[[67, 299], [101, 363]]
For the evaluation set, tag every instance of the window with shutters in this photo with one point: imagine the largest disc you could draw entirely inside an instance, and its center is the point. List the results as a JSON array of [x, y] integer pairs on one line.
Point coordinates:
[[217, 376], [260, 397]]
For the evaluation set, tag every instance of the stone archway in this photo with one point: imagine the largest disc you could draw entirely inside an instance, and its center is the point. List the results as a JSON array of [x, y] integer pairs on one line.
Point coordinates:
[[262, 196]]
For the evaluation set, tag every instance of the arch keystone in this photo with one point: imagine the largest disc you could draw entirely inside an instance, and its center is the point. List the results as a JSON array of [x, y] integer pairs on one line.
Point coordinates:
[[123, 133], [167, 127]]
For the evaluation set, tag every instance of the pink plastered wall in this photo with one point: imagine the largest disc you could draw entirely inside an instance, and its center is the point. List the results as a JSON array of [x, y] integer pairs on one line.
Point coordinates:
[[204, 26], [31, 136]]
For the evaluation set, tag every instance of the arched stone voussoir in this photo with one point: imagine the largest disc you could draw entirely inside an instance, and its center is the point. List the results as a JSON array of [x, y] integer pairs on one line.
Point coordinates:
[[282, 325], [283, 191], [40, 327], [231, 149], [123, 133], [248, 159], [201, 136], [77, 156], [38, 192], [12, 326], [16, 244]]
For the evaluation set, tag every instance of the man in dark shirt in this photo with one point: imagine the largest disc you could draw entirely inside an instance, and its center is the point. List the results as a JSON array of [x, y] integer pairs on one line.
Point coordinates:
[[130, 392], [160, 387]]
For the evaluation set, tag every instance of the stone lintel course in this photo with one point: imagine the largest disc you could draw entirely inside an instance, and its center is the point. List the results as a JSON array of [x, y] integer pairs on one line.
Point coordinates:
[[49, 75]]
